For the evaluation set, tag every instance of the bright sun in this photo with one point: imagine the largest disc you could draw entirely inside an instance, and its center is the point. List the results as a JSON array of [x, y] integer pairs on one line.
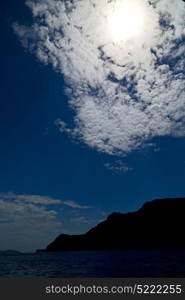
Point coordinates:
[[127, 20]]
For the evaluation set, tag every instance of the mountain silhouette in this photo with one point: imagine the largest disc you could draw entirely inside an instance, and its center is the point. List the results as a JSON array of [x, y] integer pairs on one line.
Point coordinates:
[[157, 224]]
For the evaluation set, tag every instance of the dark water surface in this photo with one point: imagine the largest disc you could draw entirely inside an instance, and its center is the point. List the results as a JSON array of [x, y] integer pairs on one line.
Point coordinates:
[[127, 263]]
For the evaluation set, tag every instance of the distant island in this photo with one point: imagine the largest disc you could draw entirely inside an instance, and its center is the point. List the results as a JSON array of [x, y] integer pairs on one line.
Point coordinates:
[[158, 224], [9, 252]]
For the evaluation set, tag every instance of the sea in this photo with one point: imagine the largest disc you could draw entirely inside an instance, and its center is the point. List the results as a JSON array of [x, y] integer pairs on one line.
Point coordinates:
[[95, 264]]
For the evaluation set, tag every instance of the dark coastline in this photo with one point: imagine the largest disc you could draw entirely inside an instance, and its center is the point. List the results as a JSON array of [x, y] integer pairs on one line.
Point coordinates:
[[157, 225]]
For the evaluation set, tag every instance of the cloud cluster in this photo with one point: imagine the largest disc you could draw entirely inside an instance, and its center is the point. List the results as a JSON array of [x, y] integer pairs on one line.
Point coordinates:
[[37, 199], [28, 222], [124, 92]]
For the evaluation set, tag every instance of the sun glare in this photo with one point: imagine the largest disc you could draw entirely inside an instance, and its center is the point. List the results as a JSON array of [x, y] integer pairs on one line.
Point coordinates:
[[127, 20]]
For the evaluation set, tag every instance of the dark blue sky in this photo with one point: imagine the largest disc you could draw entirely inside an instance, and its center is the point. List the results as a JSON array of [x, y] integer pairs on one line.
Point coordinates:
[[36, 159]]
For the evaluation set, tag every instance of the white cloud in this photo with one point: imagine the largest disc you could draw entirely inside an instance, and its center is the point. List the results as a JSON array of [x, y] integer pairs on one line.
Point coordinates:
[[118, 167], [37, 199], [75, 205], [123, 93], [64, 128]]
